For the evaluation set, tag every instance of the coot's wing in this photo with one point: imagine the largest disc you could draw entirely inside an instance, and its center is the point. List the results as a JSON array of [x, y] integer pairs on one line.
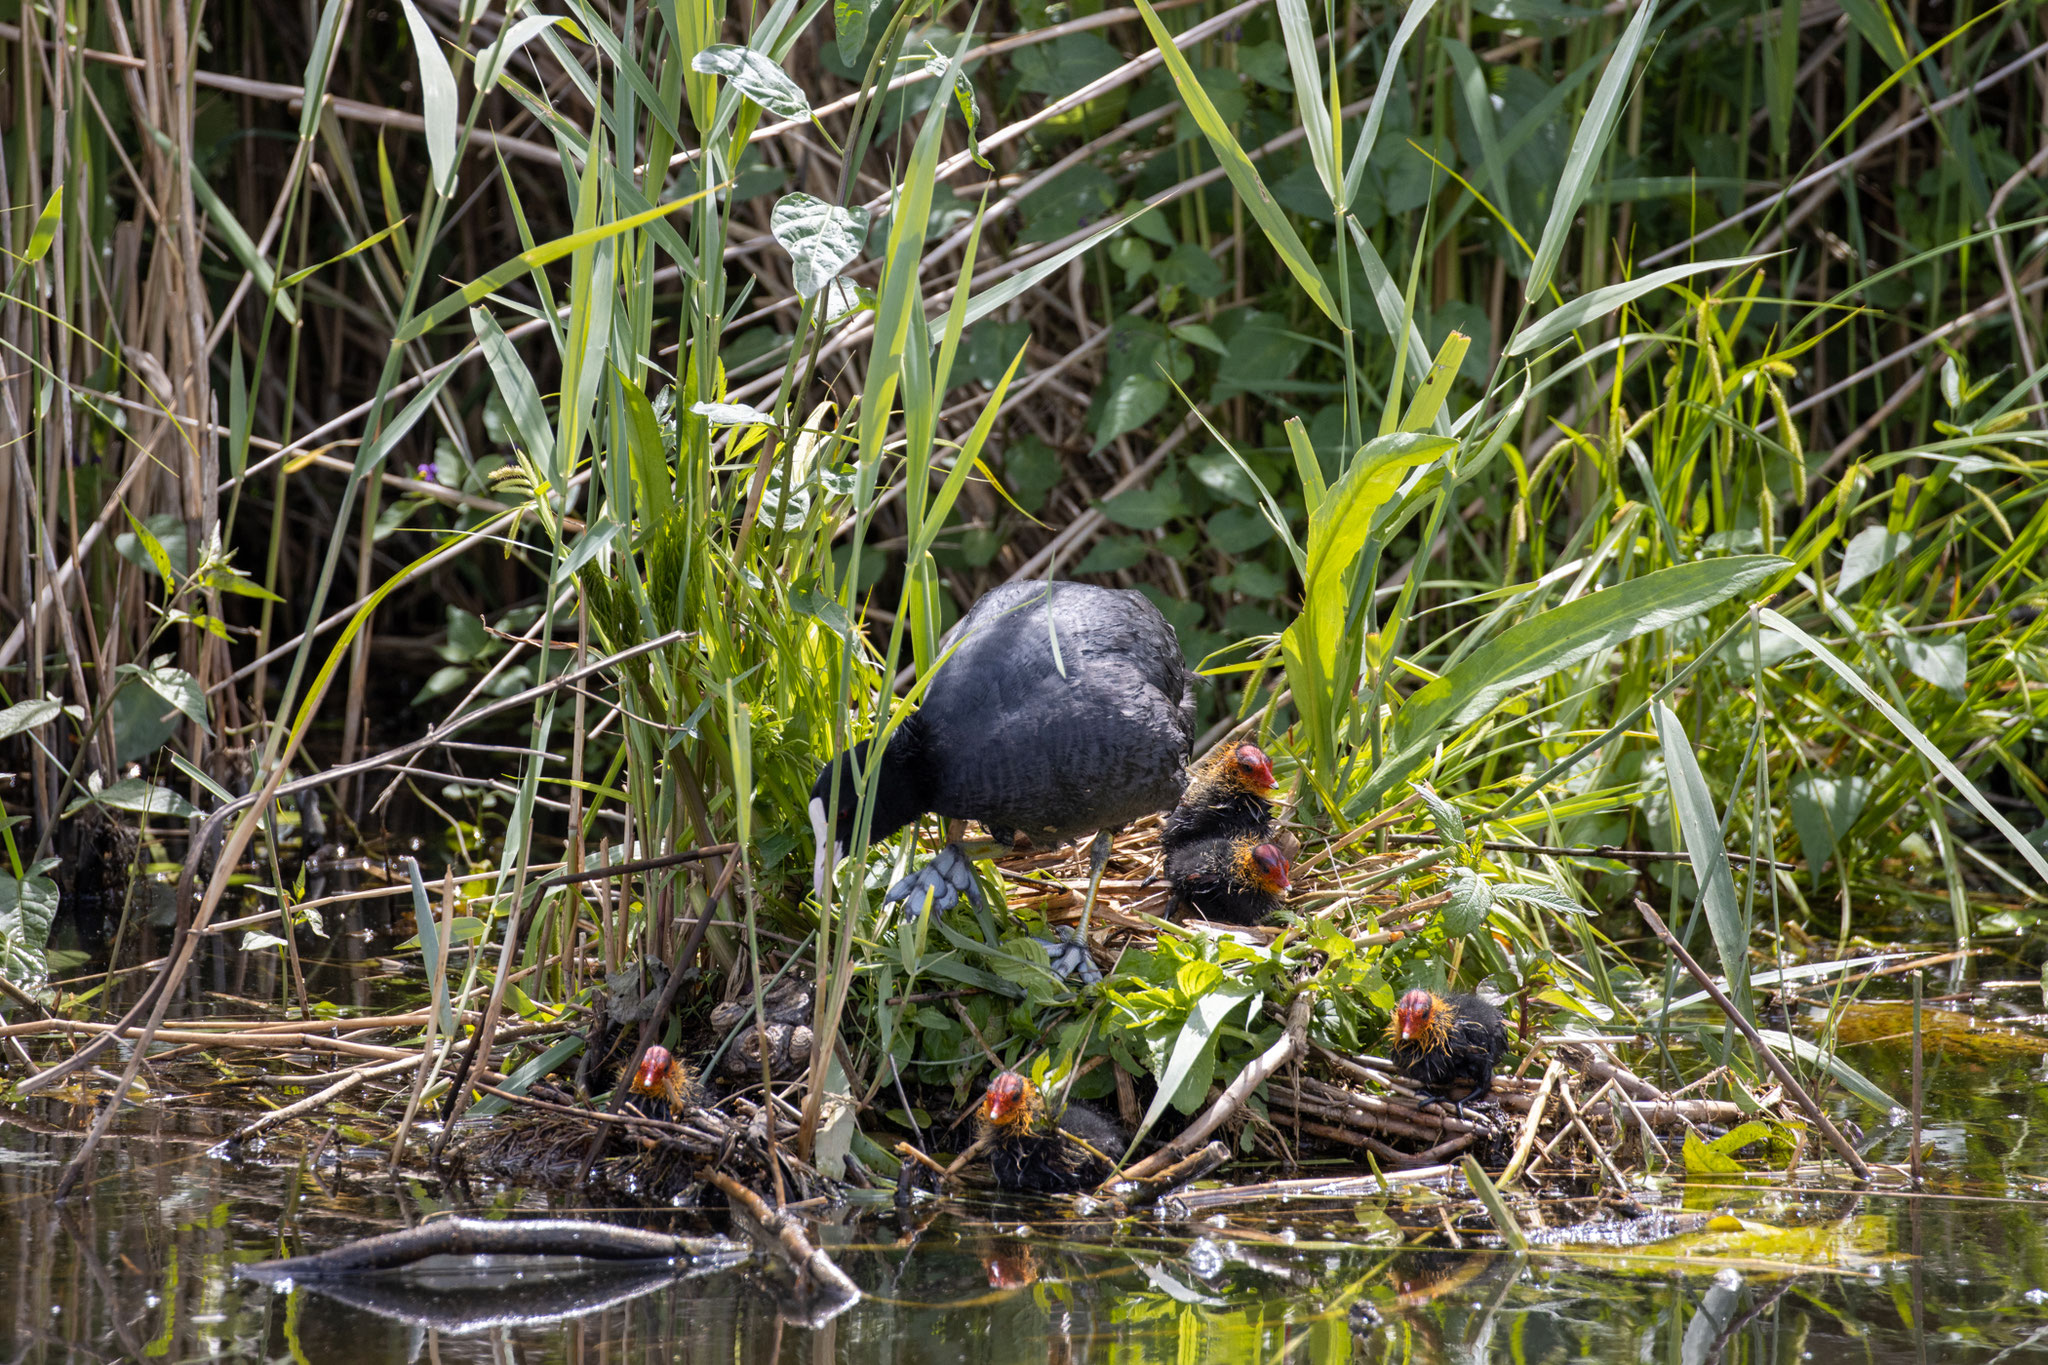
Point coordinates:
[[1061, 716]]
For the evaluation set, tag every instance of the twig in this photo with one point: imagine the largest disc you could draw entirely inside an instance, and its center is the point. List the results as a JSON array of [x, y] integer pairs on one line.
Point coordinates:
[[482, 1237], [808, 1261], [1289, 1045], [1532, 1121], [1778, 1068]]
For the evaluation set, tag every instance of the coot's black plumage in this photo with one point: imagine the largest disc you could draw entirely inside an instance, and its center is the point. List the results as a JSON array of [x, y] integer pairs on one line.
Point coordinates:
[[1031, 1147], [1062, 709], [1444, 1042], [1234, 879]]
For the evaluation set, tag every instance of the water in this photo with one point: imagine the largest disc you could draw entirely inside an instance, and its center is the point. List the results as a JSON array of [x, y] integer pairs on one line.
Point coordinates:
[[140, 1263]]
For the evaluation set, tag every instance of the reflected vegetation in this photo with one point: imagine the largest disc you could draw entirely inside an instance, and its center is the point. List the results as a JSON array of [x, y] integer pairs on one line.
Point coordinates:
[[141, 1266]]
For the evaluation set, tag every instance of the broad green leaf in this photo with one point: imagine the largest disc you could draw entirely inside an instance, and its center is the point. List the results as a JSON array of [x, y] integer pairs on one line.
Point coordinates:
[[850, 26], [1823, 810], [1258, 201], [1196, 1041], [1589, 150], [1700, 826], [1869, 550], [515, 384], [1543, 897], [733, 415], [175, 686], [437, 100], [159, 558], [135, 794], [1914, 737], [1470, 903], [1943, 660], [256, 940], [822, 239], [1591, 307], [28, 906], [27, 715], [1450, 824], [754, 75]]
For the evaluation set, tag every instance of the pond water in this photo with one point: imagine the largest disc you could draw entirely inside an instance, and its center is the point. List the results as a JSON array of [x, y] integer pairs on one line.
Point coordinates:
[[140, 1263]]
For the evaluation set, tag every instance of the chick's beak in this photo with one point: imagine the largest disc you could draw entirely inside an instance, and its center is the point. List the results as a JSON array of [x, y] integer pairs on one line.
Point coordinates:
[[997, 1107], [648, 1077]]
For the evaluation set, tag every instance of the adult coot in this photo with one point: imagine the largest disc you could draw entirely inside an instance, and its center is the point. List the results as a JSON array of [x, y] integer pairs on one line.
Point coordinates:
[[1444, 1041], [1061, 709]]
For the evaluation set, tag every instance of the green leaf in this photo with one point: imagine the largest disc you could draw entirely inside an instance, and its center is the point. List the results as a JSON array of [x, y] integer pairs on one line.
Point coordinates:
[[515, 385], [135, 794], [159, 558], [1589, 150], [1450, 824], [46, 228], [756, 77], [1591, 307], [850, 27], [1913, 736], [499, 54], [1700, 825], [1258, 201], [523, 1077], [1369, 132], [1557, 638], [28, 906], [1543, 897], [1195, 1043], [1869, 550], [256, 939], [822, 239], [437, 100], [27, 715], [1823, 810], [1943, 660], [175, 686], [1470, 903]]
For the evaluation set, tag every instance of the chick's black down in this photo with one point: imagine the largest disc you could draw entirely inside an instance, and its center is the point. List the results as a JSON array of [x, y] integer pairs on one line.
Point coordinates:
[[1053, 746]]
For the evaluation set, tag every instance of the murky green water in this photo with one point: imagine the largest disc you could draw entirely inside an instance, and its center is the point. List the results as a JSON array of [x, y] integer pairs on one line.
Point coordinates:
[[140, 1266]]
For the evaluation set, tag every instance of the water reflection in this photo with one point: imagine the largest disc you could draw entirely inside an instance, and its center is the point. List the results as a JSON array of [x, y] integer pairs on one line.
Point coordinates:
[[140, 1266]]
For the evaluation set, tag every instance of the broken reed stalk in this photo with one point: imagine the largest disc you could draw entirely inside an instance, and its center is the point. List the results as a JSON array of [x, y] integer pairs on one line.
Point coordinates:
[[808, 1261], [1778, 1068], [1290, 1045], [491, 1237], [1532, 1121]]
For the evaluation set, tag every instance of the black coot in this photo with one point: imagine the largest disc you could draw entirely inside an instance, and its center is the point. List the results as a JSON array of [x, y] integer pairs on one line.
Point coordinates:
[[1446, 1041], [1062, 709], [1236, 879], [1032, 1146]]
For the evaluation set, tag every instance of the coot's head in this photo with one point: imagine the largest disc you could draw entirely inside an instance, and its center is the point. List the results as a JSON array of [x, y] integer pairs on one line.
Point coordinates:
[[1264, 866], [1416, 1016], [654, 1065], [1254, 769], [898, 800], [1008, 1101]]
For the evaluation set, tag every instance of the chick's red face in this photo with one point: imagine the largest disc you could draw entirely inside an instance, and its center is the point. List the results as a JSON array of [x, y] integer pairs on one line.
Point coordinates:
[[1257, 768], [1411, 1017], [654, 1064], [1004, 1102], [1272, 866]]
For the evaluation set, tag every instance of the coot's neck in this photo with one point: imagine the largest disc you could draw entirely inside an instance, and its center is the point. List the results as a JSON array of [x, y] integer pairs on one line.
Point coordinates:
[[901, 783]]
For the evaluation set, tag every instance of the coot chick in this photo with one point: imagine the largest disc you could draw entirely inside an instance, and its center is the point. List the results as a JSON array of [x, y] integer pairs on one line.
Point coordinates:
[[1226, 794], [1445, 1041], [1237, 879], [1062, 709], [665, 1087], [1032, 1148]]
